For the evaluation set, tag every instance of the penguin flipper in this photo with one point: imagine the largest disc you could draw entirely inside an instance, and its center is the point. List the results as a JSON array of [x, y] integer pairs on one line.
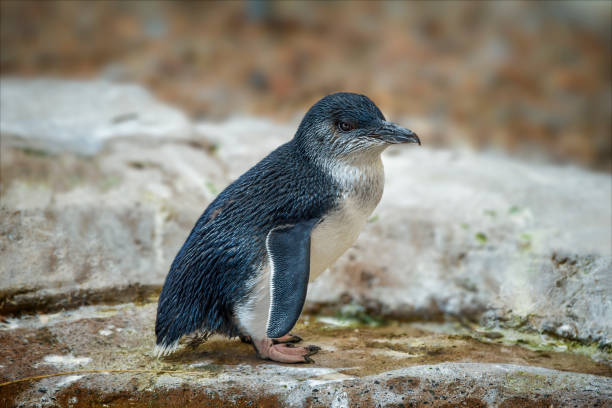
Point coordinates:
[[289, 254]]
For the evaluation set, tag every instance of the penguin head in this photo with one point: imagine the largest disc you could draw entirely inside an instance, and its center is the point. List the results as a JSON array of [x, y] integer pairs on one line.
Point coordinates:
[[346, 125]]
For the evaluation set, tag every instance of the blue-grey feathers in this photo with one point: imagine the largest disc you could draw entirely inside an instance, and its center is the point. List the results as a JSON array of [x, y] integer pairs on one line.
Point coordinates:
[[289, 255], [227, 246]]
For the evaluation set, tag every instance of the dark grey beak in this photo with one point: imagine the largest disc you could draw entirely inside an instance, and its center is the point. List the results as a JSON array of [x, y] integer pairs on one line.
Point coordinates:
[[392, 133]]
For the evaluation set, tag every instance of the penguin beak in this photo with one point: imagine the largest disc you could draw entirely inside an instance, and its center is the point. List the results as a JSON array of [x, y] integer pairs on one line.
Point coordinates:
[[393, 134]]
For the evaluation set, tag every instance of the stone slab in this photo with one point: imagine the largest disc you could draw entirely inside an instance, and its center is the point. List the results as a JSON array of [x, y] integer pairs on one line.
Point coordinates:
[[389, 366], [475, 236], [57, 115]]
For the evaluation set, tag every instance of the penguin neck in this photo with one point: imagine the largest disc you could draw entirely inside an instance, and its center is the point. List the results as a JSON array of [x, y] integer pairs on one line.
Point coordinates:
[[360, 176]]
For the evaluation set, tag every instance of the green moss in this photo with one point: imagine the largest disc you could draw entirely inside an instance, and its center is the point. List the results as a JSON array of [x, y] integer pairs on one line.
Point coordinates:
[[214, 148], [481, 237], [374, 218], [109, 182], [490, 213], [30, 151], [519, 331], [543, 343], [515, 209], [352, 316], [211, 188], [524, 382]]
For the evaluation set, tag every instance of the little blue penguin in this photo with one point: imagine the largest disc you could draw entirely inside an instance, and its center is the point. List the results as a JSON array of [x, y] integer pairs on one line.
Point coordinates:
[[245, 267]]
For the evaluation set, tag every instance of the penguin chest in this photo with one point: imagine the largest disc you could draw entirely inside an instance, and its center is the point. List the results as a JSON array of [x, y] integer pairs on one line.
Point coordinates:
[[336, 233]]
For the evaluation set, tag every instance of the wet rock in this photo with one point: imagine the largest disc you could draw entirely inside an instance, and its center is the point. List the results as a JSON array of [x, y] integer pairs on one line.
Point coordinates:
[[55, 115], [460, 234], [104, 355], [463, 234]]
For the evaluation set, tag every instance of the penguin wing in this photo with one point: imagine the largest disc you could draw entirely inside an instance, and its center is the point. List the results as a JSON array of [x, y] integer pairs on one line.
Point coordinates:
[[288, 249]]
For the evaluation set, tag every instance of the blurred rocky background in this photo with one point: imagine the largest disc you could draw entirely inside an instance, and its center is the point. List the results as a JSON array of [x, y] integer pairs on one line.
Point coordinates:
[[532, 78], [490, 252]]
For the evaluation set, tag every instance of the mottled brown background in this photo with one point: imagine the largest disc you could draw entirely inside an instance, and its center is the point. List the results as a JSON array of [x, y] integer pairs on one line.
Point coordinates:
[[532, 78]]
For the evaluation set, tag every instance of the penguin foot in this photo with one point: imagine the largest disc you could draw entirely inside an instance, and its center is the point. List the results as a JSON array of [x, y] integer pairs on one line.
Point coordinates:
[[287, 338], [284, 352]]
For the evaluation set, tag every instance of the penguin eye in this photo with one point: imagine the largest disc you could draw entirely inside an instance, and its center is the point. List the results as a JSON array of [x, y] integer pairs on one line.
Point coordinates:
[[345, 126]]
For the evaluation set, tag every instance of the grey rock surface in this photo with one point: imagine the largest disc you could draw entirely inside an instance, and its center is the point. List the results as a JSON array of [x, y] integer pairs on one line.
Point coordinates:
[[104, 356], [80, 116], [77, 230], [241, 142], [468, 235], [461, 234]]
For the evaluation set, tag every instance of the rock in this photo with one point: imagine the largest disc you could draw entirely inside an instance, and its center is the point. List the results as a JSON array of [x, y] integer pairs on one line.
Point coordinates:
[[467, 235], [242, 141], [106, 355], [461, 234], [472, 236], [56, 115], [77, 230]]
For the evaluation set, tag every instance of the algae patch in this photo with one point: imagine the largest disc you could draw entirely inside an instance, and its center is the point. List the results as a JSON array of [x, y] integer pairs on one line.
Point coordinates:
[[351, 316], [533, 341]]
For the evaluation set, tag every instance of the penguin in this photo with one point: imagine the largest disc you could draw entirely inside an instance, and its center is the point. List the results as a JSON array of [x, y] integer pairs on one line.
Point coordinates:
[[244, 268]]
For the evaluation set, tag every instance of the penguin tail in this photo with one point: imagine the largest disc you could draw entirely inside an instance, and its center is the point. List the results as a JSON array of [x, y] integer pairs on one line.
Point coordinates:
[[193, 340], [163, 349]]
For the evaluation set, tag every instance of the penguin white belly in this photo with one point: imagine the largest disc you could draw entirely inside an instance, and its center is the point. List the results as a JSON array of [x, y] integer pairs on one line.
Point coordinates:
[[335, 234], [329, 240]]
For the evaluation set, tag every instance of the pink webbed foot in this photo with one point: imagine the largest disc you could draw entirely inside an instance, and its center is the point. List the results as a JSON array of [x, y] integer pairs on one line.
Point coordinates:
[[287, 338], [284, 352]]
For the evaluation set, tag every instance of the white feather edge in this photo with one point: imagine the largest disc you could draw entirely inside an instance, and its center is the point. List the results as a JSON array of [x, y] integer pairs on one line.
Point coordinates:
[[271, 277], [164, 350], [161, 350]]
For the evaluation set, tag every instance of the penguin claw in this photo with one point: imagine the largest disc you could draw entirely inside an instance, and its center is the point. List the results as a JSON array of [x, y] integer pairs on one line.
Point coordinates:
[[285, 352], [246, 339], [288, 338], [312, 349]]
